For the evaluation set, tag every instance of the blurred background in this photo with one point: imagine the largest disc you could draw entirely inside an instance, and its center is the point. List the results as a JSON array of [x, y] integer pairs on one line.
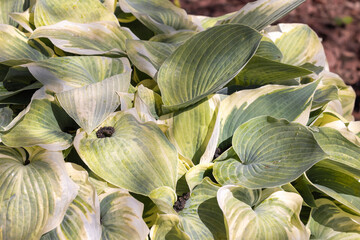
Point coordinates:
[[337, 22]]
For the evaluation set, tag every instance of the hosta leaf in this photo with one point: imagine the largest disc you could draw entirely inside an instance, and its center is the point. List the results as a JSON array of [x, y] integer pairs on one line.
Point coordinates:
[[121, 216], [38, 127], [49, 12], [34, 193], [5, 116], [129, 158], [167, 227], [15, 49], [269, 50], [272, 152], [148, 56], [196, 174], [191, 129], [82, 218], [277, 101], [90, 105], [205, 63], [176, 37], [261, 13], [23, 19], [261, 71], [65, 73], [339, 148], [337, 181], [276, 217], [308, 45], [4, 93], [328, 221], [7, 7], [151, 99], [202, 218], [323, 95], [91, 38], [346, 93], [160, 16]]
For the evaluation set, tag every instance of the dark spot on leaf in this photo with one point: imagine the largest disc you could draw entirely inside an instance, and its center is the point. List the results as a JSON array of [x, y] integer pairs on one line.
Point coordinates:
[[27, 161], [105, 132], [181, 201]]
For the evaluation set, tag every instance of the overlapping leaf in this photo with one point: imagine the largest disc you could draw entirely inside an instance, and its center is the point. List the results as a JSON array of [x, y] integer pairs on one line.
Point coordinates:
[[148, 56], [161, 16], [205, 63], [291, 103], [82, 218], [121, 216], [261, 13], [129, 158], [276, 217], [7, 7], [338, 181], [34, 193], [308, 45], [65, 73], [38, 127], [90, 105], [49, 12], [272, 152], [86, 38], [15, 49], [191, 129], [328, 221]]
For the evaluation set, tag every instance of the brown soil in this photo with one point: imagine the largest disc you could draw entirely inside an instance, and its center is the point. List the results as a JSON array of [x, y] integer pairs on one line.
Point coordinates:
[[341, 41]]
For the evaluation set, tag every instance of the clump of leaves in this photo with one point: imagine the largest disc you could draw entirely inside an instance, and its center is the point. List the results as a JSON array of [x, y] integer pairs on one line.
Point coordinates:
[[182, 126]]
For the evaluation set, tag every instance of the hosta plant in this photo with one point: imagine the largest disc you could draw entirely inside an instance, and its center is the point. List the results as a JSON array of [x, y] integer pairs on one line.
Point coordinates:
[[131, 119]]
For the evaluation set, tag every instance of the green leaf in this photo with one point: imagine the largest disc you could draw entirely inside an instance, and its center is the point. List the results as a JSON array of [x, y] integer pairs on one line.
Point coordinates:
[[272, 152], [261, 13], [205, 63], [323, 95], [167, 227], [346, 93], [41, 127], [176, 37], [160, 16], [191, 130], [151, 99], [129, 158], [82, 218], [7, 7], [49, 12], [308, 45], [23, 19], [15, 49], [148, 56], [262, 71], [5, 116], [65, 73], [337, 181], [34, 193], [338, 147], [5, 94], [276, 217], [90, 105], [202, 218], [290, 103], [91, 38], [269, 50], [328, 221], [121, 216]]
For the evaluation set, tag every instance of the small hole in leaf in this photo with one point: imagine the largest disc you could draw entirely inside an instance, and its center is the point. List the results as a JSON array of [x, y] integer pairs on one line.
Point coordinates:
[[181, 201], [105, 132]]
